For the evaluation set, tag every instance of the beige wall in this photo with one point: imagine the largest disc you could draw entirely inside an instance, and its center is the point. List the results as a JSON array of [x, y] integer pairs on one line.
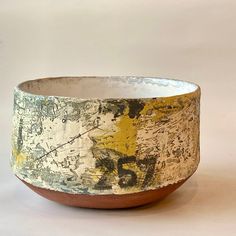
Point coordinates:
[[186, 39]]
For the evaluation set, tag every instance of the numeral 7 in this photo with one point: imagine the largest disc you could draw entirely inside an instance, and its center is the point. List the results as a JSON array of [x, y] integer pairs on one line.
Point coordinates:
[[149, 163]]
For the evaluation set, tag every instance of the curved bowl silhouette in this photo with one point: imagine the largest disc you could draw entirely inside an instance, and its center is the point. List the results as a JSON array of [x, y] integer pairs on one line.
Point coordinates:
[[105, 142]]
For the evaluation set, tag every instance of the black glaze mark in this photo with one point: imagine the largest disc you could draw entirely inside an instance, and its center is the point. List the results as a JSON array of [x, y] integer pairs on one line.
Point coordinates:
[[116, 107], [135, 107], [100, 108], [19, 137], [120, 110]]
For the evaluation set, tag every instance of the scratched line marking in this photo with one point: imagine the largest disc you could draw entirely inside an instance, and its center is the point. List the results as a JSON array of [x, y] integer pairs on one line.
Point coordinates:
[[70, 141]]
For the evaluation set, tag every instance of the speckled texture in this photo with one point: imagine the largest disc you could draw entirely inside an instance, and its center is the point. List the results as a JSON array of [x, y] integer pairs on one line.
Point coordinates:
[[105, 146]]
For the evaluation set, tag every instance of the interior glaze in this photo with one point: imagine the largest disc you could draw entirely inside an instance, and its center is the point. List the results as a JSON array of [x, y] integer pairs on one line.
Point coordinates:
[[107, 87]]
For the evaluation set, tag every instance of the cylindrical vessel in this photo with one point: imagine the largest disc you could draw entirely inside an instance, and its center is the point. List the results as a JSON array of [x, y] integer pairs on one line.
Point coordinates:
[[105, 142]]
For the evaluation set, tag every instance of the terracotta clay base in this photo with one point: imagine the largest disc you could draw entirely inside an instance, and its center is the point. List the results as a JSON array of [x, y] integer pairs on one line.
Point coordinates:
[[110, 201]]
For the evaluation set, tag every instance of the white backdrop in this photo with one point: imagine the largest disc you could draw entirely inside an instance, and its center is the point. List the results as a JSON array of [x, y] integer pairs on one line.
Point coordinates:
[[192, 40]]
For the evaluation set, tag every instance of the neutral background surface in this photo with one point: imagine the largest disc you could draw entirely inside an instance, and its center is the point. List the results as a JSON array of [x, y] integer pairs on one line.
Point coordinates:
[[184, 39]]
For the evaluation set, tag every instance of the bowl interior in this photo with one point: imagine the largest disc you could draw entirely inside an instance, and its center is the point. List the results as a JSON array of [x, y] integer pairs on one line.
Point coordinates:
[[107, 87]]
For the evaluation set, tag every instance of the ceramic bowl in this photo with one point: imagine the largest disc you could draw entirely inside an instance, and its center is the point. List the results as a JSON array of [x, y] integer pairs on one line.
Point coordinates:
[[105, 142]]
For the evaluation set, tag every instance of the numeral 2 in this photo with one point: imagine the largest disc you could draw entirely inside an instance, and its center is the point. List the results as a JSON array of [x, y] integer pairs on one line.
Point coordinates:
[[109, 166]]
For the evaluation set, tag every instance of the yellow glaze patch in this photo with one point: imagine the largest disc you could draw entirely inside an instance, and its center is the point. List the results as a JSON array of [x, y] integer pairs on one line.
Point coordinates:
[[159, 108], [124, 140], [19, 157]]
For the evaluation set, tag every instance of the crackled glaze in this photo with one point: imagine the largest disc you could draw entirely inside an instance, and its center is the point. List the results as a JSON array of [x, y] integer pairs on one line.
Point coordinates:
[[105, 146]]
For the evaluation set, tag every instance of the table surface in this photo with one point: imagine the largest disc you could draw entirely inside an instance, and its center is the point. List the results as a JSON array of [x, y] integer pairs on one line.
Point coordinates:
[[192, 40]]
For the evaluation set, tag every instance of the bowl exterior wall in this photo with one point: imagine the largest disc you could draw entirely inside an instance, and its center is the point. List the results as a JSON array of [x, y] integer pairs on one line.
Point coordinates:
[[106, 146]]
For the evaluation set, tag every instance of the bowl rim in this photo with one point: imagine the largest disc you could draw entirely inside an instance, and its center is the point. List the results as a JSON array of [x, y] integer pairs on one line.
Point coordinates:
[[18, 88]]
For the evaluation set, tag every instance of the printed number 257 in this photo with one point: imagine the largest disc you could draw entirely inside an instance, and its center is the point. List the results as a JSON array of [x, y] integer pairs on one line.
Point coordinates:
[[127, 177]]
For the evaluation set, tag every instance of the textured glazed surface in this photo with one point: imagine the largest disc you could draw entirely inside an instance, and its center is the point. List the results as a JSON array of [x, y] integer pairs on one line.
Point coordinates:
[[105, 146]]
